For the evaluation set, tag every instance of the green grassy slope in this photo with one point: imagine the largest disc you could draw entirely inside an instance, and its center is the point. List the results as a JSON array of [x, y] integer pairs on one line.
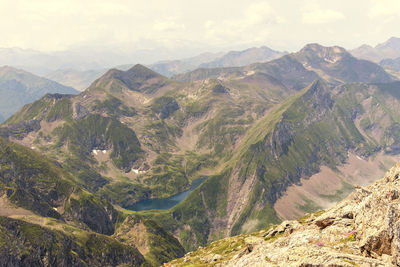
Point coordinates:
[[70, 215], [318, 126]]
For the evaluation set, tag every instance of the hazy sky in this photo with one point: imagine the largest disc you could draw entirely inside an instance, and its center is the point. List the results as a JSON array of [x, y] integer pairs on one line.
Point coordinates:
[[199, 25]]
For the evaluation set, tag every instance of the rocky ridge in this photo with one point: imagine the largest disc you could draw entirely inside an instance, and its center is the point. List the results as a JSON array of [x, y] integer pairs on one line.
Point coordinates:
[[361, 230]]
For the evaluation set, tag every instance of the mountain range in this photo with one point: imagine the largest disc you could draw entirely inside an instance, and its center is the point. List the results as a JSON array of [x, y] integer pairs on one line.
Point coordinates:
[[387, 50], [82, 79], [391, 63], [274, 140], [18, 87]]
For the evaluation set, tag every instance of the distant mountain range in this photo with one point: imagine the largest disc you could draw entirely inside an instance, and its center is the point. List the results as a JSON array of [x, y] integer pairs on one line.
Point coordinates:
[[171, 67], [18, 87], [387, 50], [209, 60], [391, 63], [75, 78], [334, 64], [81, 79], [243, 58], [42, 63]]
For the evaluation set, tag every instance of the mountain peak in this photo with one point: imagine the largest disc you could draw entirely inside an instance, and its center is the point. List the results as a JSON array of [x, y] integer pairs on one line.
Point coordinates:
[[392, 43], [388, 49], [140, 70], [138, 78], [9, 69], [316, 54], [320, 49]]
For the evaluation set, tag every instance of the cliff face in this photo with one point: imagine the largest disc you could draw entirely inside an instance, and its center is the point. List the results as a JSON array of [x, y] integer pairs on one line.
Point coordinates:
[[362, 230]]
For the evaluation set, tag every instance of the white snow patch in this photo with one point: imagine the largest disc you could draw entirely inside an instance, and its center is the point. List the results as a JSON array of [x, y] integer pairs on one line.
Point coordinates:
[[94, 151], [359, 158], [104, 151], [55, 209], [250, 73], [330, 60], [32, 147], [136, 171]]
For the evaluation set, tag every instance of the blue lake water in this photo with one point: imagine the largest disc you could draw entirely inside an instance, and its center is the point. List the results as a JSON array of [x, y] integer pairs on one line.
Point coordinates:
[[165, 203]]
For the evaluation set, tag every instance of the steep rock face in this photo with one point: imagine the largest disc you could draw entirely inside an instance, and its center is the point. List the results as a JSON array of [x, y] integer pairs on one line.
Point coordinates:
[[35, 183], [20, 130], [98, 215], [26, 244], [164, 106], [362, 230]]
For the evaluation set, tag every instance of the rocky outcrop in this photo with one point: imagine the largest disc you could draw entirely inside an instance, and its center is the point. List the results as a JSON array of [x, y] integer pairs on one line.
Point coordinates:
[[100, 216], [80, 112], [165, 106], [362, 230], [219, 89], [20, 130]]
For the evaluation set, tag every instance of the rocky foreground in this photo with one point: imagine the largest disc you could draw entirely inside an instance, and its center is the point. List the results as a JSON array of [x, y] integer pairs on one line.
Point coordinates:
[[362, 230]]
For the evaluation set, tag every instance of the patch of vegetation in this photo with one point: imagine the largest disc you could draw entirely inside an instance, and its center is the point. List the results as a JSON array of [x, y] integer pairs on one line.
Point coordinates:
[[113, 107], [162, 133], [304, 219], [124, 194], [309, 205], [341, 193], [97, 132], [62, 109]]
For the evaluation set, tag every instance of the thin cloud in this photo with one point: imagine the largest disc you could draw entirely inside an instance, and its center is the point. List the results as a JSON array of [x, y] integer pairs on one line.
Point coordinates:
[[314, 14], [207, 25], [253, 26], [169, 25], [384, 8]]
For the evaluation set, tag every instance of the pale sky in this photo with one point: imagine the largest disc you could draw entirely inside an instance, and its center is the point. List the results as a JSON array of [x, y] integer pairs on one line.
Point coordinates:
[[199, 25]]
